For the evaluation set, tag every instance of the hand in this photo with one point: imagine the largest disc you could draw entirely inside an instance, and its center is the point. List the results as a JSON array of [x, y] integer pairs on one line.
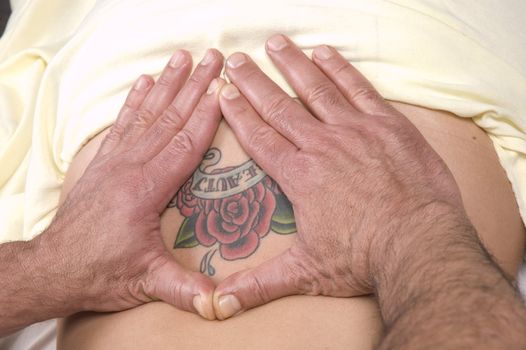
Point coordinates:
[[104, 244], [359, 175]]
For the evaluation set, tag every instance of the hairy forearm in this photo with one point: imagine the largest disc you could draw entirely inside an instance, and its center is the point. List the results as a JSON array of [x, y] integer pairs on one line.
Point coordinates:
[[31, 291], [444, 291]]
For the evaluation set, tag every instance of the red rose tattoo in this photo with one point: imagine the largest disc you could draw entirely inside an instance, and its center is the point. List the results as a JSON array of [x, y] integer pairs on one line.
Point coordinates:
[[233, 208]]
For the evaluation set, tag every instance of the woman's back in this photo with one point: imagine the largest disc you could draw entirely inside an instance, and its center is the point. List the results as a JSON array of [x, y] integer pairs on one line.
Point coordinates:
[[301, 321]]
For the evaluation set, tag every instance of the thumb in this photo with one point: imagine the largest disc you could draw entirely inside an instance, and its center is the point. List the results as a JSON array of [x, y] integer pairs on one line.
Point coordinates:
[[186, 290], [278, 277]]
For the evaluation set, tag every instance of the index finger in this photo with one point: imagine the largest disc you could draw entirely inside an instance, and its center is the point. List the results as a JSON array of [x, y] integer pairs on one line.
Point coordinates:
[[273, 104], [354, 86], [318, 92], [265, 145]]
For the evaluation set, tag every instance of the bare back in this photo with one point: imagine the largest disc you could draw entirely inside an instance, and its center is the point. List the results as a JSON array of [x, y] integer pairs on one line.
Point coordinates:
[[299, 321]]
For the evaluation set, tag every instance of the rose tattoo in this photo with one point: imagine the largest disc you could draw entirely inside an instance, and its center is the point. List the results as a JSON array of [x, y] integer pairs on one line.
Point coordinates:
[[233, 208]]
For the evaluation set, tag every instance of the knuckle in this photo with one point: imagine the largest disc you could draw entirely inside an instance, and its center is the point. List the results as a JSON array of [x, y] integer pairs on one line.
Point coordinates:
[[202, 109], [300, 273], [277, 108], [260, 138], [166, 79], [116, 132], [182, 143], [239, 109], [196, 78], [324, 93], [143, 118], [343, 68], [363, 92], [131, 101], [141, 290], [172, 117], [258, 290]]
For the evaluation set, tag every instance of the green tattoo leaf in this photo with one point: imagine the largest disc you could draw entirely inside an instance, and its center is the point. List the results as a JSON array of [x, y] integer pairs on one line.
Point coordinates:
[[283, 218], [283, 213], [186, 235], [283, 229]]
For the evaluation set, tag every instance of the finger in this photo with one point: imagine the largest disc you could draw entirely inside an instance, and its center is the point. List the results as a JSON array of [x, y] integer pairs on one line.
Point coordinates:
[[273, 279], [161, 95], [209, 68], [265, 145], [354, 86], [277, 108], [186, 290], [313, 87], [177, 113], [181, 156], [133, 101]]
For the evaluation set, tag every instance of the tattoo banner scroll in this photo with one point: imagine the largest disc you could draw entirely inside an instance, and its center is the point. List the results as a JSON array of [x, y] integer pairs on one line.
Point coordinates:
[[210, 185]]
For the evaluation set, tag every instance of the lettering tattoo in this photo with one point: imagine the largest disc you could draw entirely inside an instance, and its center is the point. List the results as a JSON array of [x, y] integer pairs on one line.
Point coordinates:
[[230, 210]]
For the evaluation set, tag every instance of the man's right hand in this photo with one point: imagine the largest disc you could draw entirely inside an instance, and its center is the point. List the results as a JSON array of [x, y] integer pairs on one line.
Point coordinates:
[[104, 247]]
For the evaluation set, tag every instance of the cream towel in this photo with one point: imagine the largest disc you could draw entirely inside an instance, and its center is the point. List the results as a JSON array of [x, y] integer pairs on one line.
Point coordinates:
[[65, 67]]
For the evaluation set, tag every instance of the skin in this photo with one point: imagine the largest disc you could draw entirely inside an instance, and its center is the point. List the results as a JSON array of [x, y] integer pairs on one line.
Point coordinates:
[[159, 138], [386, 248], [315, 321], [411, 244]]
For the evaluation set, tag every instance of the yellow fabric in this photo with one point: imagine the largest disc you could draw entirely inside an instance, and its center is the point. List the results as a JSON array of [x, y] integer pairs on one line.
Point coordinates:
[[65, 67]]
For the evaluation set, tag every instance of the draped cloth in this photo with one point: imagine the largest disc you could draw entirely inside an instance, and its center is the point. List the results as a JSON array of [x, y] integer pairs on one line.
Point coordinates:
[[65, 67]]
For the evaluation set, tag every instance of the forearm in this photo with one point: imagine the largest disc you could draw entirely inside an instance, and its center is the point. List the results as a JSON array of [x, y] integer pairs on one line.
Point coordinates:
[[446, 292], [31, 292]]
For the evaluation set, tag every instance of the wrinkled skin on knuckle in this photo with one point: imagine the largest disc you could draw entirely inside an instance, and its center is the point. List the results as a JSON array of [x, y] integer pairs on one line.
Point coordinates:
[[166, 79], [196, 78], [139, 276], [277, 108], [116, 132], [142, 118], [364, 93], [182, 144], [258, 289], [260, 139], [172, 117], [203, 109], [324, 94]]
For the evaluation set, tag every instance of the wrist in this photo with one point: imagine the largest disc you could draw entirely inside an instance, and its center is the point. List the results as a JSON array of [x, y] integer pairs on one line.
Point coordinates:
[[439, 288], [53, 283], [28, 292], [436, 247], [412, 234]]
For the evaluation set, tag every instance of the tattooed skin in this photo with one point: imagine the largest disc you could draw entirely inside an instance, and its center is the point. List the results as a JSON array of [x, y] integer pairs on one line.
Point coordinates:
[[230, 210]]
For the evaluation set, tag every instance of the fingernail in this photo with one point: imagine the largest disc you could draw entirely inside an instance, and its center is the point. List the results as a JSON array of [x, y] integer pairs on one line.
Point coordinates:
[[177, 59], [228, 305], [230, 92], [236, 60], [198, 304], [324, 52], [209, 57], [277, 42], [212, 87], [142, 83]]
